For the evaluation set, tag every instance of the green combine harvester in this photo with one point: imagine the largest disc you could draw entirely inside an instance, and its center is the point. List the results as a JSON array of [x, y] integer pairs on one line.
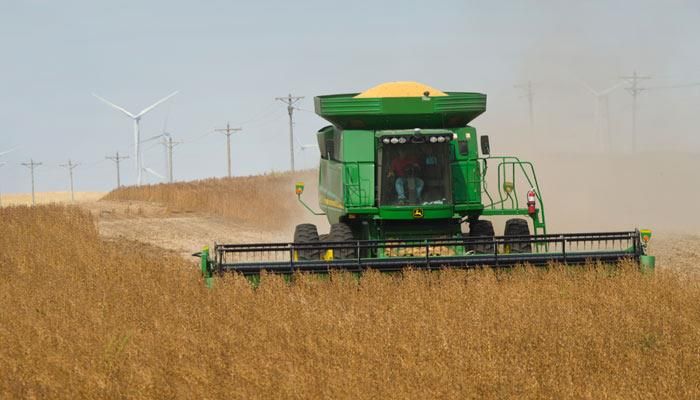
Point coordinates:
[[407, 182]]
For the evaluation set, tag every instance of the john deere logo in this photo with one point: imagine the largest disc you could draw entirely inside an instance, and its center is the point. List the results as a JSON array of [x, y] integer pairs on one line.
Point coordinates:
[[417, 213]]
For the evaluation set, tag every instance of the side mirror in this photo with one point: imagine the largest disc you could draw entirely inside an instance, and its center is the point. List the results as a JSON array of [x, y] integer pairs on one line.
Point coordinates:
[[485, 148]]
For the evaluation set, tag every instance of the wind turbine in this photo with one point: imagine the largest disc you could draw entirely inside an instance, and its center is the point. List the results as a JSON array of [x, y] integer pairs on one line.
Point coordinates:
[[8, 151], [602, 103], [305, 146], [154, 173], [137, 133]]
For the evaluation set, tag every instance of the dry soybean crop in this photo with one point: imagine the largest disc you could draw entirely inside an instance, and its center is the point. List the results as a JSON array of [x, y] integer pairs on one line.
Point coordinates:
[[268, 200], [87, 318]]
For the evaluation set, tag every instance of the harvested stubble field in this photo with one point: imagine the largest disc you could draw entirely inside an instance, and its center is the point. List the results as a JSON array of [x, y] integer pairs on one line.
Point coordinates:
[[81, 317]]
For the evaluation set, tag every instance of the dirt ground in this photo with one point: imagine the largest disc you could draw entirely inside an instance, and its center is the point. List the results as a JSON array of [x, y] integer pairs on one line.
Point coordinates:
[[185, 233]]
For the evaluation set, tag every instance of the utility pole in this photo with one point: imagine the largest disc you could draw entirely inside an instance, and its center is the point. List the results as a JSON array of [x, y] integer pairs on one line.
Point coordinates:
[[169, 144], [530, 95], [228, 131], [70, 166], [31, 165], [635, 90], [117, 159], [290, 100]]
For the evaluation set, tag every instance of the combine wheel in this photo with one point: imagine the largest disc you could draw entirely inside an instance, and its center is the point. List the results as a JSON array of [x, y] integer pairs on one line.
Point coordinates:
[[480, 229], [518, 227], [307, 233], [341, 232]]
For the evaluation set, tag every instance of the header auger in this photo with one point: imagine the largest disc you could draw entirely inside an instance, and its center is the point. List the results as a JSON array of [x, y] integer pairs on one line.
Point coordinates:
[[406, 182]]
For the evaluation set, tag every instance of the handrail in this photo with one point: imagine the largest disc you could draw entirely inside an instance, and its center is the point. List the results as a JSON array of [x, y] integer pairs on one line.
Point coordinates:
[[528, 172]]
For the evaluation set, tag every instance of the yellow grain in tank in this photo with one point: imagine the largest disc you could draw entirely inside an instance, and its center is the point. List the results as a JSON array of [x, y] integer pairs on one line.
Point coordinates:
[[400, 89]]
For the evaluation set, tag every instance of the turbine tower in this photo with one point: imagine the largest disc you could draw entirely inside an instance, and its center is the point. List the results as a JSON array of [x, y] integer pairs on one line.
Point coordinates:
[[137, 134], [602, 106]]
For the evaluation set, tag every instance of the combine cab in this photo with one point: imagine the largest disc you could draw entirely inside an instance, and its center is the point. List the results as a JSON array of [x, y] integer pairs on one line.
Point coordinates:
[[406, 181]]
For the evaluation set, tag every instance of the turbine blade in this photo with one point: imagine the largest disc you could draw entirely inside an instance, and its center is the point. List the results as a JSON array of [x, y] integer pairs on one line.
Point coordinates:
[[612, 88], [587, 87], [156, 104], [114, 106], [154, 173], [8, 151]]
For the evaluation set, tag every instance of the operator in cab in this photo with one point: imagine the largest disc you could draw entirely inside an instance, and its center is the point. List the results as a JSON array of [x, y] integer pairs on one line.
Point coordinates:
[[403, 167]]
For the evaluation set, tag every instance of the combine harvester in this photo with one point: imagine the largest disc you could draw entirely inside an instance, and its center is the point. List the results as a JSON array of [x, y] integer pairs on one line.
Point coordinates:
[[401, 173]]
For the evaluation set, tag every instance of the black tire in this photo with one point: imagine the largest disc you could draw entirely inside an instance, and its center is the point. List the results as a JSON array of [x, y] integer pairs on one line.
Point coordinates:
[[307, 233], [518, 227], [480, 229], [341, 232]]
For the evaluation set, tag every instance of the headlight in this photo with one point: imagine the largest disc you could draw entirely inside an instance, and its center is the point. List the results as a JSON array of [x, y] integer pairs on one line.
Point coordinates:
[[394, 140], [441, 139], [386, 140], [454, 136], [402, 140], [433, 139]]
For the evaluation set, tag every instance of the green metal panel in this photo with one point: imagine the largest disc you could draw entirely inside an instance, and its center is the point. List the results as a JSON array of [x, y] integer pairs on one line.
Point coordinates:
[[351, 186], [459, 182], [358, 145], [466, 182], [474, 182], [205, 265], [466, 174], [330, 189], [454, 110], [358, 185]]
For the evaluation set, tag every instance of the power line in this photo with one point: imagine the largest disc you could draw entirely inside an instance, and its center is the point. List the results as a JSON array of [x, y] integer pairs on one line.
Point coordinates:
[[117, 159], [290, 100], [270, 109], [31, 165], [70, 166], [228, 131], [678, 86], [634, 90]]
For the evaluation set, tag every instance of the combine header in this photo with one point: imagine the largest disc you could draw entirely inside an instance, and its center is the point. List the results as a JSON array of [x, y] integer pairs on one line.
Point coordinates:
[[405, 181]]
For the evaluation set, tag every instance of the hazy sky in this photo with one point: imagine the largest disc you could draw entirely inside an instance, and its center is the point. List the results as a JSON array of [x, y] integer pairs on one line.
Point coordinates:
[[230, 59]]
